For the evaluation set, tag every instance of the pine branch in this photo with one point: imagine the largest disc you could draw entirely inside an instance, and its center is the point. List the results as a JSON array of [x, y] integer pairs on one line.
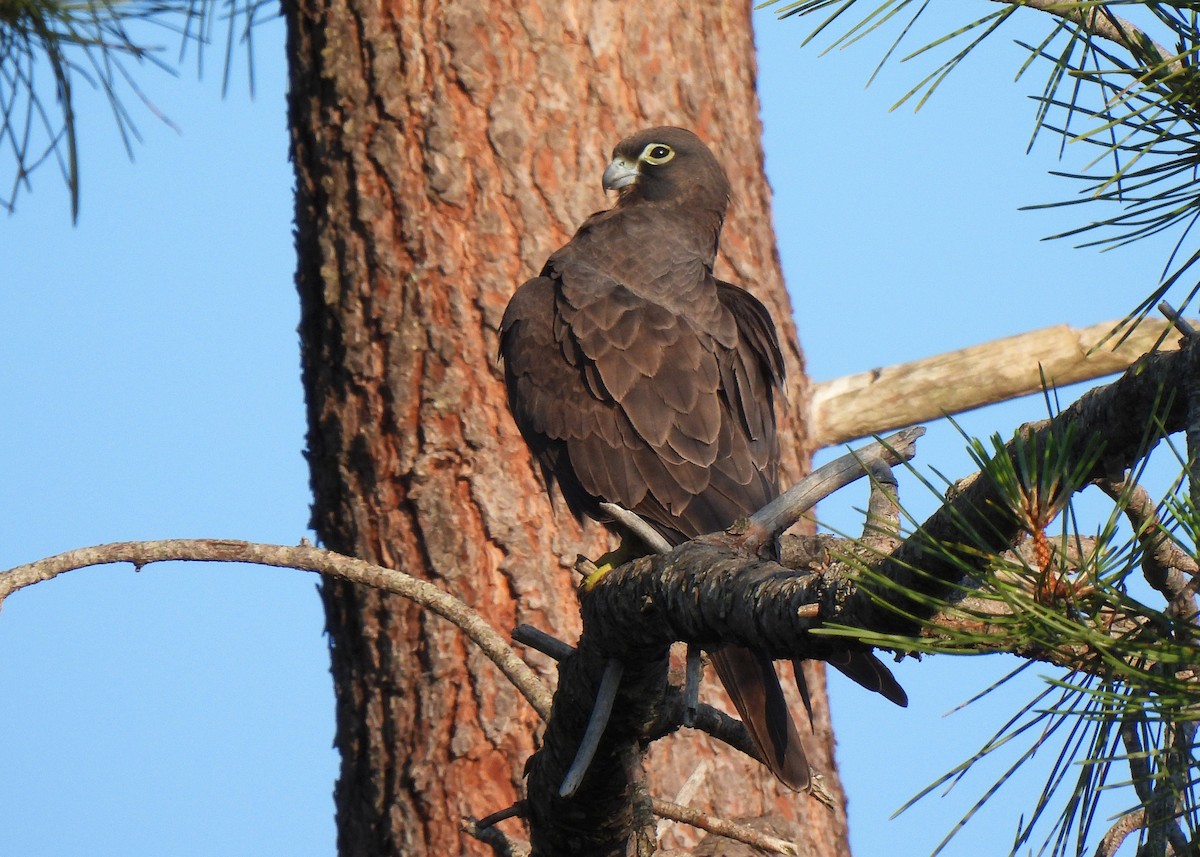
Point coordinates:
[[1096, 19], [1128, 416]]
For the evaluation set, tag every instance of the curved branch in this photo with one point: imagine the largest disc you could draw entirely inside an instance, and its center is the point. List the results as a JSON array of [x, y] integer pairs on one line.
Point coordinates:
[[1120, 830], [1166, 565], [303, 558], [637, 525], [786, 509]]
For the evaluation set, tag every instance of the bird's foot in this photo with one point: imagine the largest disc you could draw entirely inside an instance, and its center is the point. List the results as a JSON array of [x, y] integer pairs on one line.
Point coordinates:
[[598, 573], [594, 572]]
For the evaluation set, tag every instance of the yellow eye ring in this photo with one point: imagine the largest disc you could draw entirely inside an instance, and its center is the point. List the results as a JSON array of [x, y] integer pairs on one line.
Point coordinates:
[[657, 153]]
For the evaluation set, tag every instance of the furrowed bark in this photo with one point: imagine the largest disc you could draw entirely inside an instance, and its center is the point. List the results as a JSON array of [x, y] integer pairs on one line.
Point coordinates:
[[442, 151]]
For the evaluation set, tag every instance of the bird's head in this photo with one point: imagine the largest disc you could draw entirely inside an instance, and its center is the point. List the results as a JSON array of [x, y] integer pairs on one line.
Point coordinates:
[[667, 164]]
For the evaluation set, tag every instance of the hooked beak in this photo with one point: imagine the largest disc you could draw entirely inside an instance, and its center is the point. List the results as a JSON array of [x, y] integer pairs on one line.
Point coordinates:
[[620, 174]]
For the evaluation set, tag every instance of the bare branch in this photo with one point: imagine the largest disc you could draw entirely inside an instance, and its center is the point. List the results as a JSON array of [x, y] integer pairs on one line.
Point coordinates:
[[517, 810], [634, 522], [304, 558], [881, 532], [722, 827], [672, 714], [674, 711], [946, 384], [606, 695], [1181, 324], [539, 640], [785, 510], [485, 832]]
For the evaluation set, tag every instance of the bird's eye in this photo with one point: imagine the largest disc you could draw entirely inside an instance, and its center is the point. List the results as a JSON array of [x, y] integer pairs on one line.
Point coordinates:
[[657, 153]]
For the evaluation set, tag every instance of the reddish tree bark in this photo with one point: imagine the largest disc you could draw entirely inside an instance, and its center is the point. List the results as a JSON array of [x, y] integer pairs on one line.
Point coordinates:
[[442, 151]]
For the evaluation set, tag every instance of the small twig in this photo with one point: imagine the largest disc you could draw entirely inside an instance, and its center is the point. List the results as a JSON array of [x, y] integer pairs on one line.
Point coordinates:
[[686, 792], [303, 558], [722, 827], [728, 730], [501, 845], [540, 641], [701, 717], [606, 695], [1181, 323], [691, 685], [517, 810], [694, 782]]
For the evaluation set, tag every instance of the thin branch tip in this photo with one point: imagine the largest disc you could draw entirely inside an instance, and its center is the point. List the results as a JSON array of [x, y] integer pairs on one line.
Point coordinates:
[[1176, 318]]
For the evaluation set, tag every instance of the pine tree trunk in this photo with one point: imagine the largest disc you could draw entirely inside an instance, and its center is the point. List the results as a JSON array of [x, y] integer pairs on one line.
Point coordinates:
[[442, 151]]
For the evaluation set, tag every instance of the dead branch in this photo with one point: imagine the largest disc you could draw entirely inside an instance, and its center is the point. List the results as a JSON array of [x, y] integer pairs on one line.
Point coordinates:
[[485, 832], [722, 827], [946, 384], [1120, 830], [673, 712], [708, 593], [304, 558], [881, 531]]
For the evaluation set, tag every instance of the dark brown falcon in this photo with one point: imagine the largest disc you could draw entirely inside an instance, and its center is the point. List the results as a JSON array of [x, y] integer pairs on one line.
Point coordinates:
[[639, 378]]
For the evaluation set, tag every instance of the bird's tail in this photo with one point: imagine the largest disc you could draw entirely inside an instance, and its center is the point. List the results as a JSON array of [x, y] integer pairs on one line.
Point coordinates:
[[870, 672], [750, 680]]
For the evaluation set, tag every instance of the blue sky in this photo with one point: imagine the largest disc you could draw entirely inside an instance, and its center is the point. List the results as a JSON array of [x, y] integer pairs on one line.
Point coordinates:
[[151, 377]]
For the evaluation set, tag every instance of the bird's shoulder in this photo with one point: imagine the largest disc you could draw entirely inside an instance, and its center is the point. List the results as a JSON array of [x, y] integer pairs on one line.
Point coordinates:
[[533, 299]]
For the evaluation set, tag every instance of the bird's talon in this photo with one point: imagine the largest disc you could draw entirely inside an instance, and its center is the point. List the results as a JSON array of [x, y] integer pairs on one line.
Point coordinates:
[[596, 575]]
